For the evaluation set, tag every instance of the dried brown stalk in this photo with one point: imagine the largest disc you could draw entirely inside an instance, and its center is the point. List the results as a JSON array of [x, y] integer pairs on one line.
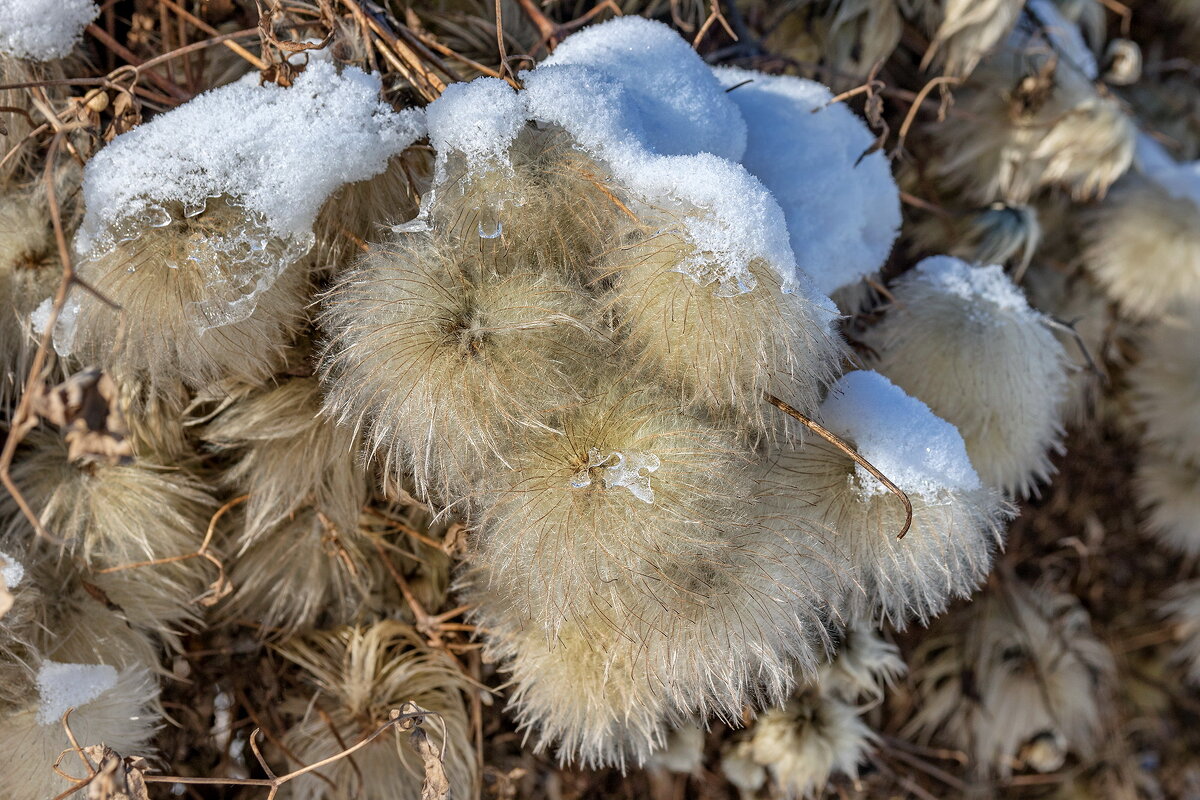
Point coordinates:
[[842, 445]]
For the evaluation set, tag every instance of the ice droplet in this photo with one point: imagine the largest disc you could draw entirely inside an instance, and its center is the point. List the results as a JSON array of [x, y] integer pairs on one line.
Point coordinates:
[[620, 471]]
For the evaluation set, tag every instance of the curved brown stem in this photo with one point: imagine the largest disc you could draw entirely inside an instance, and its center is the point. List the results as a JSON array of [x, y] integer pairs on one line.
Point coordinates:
[[845, 447]]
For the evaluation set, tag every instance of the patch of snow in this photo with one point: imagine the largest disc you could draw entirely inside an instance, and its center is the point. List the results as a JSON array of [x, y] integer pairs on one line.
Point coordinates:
[[39, 318], [1045, 24], [843, 213], [277, 153], [11, 571], [63, 686], [479, 119], [43, 30], [917, 450], [973, 283], [683, 109]]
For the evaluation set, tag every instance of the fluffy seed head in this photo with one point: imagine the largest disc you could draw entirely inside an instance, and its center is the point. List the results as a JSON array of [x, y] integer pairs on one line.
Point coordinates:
[[1165, 386], [289, 457], [442, 353], [945, 554], [359, 212], [1038, 679], [684, 753], [360, 674], [1168, 490], [1075, 299], [865, 666], [1142, 245], [1029, 120], [719, 353], [964, 341], [200, 304], [965, 30], [585, 692], [624, 494], [29, 273], [603, 686], [303, 572], [121, 717], [549, 207], [110, 516], [810, 740]]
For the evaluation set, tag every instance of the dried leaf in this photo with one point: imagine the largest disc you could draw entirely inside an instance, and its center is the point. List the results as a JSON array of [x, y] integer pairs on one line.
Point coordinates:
[[116, 778], [436, 785], [84, 406]]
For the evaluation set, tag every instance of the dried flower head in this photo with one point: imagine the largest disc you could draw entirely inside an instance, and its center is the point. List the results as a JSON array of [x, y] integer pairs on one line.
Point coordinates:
[[207, 293], [441, 353], [1142, 245], [964, 340], [360, 674], [1017, 679], [809, 741], [719, 351]]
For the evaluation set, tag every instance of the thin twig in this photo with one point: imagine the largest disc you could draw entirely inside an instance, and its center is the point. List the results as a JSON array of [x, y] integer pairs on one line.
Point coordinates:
[[842, 445]]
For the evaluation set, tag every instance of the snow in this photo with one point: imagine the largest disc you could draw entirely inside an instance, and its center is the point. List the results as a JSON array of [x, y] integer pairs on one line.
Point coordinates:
[[682, 107], [1180, 180], [479, 119], [40, 316], [973, 283], [917, 450], [656, 143], [43, 30], [1061, 34], [11, 571], [63, 686], [279, 152], [842, 214]]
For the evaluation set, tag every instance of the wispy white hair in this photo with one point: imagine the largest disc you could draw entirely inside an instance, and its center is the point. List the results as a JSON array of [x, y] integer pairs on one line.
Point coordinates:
[[964, 340], [358, 675], [814, 738], [1016, 679], [122, 718], [1142, 245]]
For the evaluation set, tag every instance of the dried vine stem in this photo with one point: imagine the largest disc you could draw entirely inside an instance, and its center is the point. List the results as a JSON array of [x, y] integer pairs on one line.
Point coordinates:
[[409, 717], [842, 445]]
